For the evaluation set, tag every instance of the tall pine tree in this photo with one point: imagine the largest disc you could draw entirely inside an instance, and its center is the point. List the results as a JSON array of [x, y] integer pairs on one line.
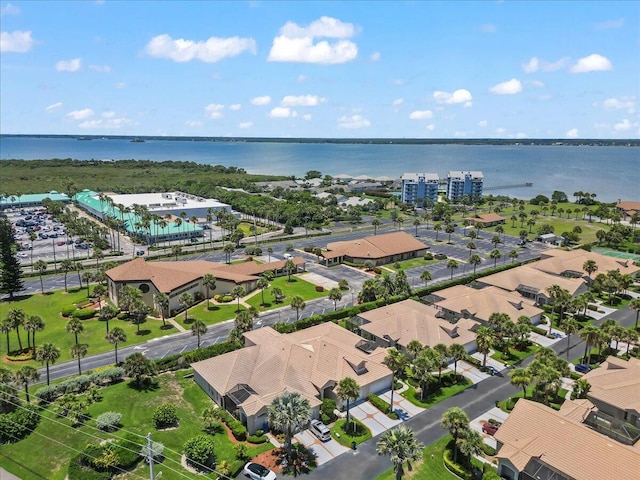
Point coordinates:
[[10, 268]]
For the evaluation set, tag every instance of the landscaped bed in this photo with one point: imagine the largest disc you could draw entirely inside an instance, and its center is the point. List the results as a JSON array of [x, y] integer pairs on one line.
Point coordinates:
[[436, 393]]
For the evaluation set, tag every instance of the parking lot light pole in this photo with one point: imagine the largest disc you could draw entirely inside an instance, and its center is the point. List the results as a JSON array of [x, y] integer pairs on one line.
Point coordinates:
[[54, 255]]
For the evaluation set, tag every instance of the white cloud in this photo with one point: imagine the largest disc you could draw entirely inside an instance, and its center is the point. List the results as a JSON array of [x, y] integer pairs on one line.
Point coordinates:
[[281, 112], [302, 101], [624, 125], [531, 66], [69, 65], [214, 110], [302, 78], [9, 9], [397, 81], [212, 50], [609, 24], [500, 130], [306, 116], [459, 96], [245, 125], [235, 107], [375, 56], [488, 28], [100, 68], [80, 114], [108, 114], [535, 84], [592, 63], [16, 41], [510, 87], [296, 44], [431, 127], [266, 100], [193, 123], [535, 64], [120, 85], [106, 124], [628, 103], [353, 122], [421, 115], [398, 101], [483, 123], [53, 107], [573, 133]]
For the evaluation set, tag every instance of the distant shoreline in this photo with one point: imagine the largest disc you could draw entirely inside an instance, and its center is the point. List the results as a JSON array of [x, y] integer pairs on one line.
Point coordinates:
[[373, 141]]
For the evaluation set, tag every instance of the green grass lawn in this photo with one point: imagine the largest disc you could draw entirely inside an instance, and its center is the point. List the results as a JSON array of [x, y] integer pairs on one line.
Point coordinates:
[[46, 452], [411, 263], [297, 286], [48, 307], [438, 395], [345, 437], [431, 467], [555, 401], [515, 356], [216, 313]]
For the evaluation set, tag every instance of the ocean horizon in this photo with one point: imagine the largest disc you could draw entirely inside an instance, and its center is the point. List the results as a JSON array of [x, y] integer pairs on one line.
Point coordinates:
[[609, 171]]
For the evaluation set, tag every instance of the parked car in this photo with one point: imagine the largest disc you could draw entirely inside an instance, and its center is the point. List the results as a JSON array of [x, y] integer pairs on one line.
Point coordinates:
[[23, 255], [440, 256], [255, 471], [491, 370], [140, 253], [490, 428], [60, 243], [582, 368], [194, 240], [320, 430]]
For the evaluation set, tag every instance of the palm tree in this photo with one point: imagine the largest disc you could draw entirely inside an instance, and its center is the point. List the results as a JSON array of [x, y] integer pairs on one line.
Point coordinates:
[[41, 267], [495, 255], [452, 265], [449, 229], [15, 318], [228, 250], [570, 326], [176, 250], [198, 328], [590, 267], [116, 336], [138, 367], [414, 347], [521, 377], [349, 390], [262, 284], [209, 282], [484, 342], [79, 351], [513, 255], [269, 252], [6, 327], [591, 336], [425, 276], [185, 300], [47, 354], [288, 413], [335, 295], [456, 421], [66, 266], [457, 353], [107, 313], [376, 223], [276, 293], [289, 266], [297, 304], [24, 376], [396, 362], [443, 357], [416, 223], [75, 326], [634, 304], [469, 443], [423, 364], [475, 260], [237, 293], [161, 300], [630, 336], [436, 228], [401, 445], [471, 246], [33, 324]]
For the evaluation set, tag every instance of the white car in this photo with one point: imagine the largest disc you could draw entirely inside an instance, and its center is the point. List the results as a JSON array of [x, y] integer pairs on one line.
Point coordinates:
[[23, 255], [255, 471]]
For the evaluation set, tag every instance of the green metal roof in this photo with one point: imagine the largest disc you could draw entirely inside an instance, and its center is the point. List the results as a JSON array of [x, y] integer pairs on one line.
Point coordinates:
[[15, 201]]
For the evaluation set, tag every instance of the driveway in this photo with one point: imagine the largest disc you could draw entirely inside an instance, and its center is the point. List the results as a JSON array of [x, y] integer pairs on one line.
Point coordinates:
[[374, 419], [324, 451], [545, 341], [476, 424], [470, 371]]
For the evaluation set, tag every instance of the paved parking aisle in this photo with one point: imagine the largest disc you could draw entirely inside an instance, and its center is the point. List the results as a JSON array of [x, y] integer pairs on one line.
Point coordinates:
[[324, 451]]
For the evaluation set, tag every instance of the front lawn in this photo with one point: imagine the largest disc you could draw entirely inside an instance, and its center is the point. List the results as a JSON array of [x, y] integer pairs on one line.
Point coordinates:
[[411, 263], [345, 437], [554, 401], [49, 306], [296, 286], [216, 313], [436, 393], [46, 452], [515, 356]]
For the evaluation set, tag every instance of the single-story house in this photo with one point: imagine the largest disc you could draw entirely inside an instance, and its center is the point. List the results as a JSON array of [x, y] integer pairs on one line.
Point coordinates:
[[379, 249], [487, 220], [176, 278], [398, 324], [532, 283], [310, 362], [627, 208], [550, 238], [571, 262], [538, 442], [478, 304]]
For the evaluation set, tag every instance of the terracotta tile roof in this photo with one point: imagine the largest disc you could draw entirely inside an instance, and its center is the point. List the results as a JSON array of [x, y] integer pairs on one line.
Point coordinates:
[[531, 278], [577, 410], [481, 303], [253, 268], [629, 206], [376, 246], [616, 382], [410, 320], [536, 433], [304, 361], [557, 261]]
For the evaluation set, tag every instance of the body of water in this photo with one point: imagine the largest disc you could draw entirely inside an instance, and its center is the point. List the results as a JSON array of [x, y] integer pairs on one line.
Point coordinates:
[[611, 172]]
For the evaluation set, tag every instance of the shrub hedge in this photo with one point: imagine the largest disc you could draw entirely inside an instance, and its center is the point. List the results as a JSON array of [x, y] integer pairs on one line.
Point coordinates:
[[79, 384], [84, 314], [451, 465], [68, 311], [173, 362], [14, 426]]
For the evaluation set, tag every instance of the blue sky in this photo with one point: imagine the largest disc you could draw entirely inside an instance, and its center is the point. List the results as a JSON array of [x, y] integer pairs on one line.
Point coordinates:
[[511, 69]]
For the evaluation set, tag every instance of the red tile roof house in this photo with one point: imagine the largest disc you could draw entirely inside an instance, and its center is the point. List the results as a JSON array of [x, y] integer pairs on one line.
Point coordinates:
[[628, 208], [486, 220], [310, 362], [379, 249], [175, 278]]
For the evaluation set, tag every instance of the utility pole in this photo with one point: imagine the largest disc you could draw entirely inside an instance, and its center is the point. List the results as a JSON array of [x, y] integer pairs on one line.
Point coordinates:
[[150, 456]]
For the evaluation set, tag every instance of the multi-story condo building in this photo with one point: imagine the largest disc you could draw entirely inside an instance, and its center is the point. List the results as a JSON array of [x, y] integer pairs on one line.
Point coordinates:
[[418, 187], [461, 183]]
